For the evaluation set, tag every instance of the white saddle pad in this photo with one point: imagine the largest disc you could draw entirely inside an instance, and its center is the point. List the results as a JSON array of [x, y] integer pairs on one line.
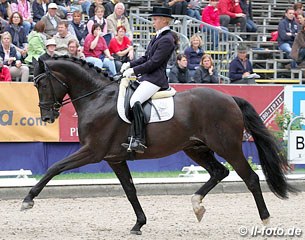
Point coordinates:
[[164, 106]]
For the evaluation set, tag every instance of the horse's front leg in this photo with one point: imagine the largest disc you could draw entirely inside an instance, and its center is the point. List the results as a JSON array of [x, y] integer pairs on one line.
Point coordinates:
[[80, 158], [122, 172]]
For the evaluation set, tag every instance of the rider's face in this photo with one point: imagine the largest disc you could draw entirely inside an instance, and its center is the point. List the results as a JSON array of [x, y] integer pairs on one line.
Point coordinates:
[[159, 22]]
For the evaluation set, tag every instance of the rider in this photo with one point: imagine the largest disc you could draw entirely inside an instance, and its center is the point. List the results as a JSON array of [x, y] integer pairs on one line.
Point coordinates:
[[151, 70]]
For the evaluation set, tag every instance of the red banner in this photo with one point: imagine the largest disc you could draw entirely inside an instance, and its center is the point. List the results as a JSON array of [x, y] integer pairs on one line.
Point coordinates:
[[266, 100]]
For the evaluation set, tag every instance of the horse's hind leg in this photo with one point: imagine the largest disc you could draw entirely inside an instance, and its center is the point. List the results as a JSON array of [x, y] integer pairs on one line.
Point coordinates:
[[251, 179], [122, 172], [80, 158], [205, 158]]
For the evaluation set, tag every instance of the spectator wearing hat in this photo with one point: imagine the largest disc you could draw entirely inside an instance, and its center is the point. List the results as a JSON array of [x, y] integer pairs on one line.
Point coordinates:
[[51, 20], [240, 67], [151, 70], [5, 75], [9, 54], [50, 50]]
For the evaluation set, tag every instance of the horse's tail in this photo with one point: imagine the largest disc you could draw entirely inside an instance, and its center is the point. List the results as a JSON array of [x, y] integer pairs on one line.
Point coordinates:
[[272, 160]]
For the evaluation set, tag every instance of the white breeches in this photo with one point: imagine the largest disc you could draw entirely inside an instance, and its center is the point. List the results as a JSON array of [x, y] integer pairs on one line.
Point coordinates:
[[143, 92]]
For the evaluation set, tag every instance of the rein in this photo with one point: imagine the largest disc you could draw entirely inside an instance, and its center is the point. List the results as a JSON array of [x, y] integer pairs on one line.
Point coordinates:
[[57, 104]]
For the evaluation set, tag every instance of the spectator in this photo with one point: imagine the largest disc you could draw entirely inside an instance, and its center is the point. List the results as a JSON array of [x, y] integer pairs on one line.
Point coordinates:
[[298, 48], [37, 41], [9, 54], [50, 50], [287, 30], [98, 18], [40, 8], [179, 7], [73, 50], [193, 9], [206, 72], [96, 50], [65, 6], [85, 5], [194, 53], [24, 9], [210, 15], [121, 48], [179, 73], [93, 6], [230, 12], [300, 20], [77, 27], [241, 68], [51, 20], [62, 37], [5, 75], [246, 6], [109, 7], [116, 19], [15, 28], [5, 13], [298, 9]]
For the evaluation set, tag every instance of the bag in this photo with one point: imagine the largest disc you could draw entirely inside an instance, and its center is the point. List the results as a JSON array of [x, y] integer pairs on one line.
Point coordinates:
[[122, 59], [274, 36]]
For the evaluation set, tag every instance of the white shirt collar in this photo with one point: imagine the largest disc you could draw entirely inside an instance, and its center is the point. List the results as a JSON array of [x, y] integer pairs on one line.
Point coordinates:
[[162, 30]]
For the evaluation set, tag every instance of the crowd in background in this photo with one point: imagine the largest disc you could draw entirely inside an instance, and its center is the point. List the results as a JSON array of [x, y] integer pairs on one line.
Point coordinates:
[[105, 38]]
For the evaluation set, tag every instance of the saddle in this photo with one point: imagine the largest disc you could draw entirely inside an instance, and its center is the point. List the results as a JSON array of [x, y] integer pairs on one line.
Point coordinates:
[[159, 102]]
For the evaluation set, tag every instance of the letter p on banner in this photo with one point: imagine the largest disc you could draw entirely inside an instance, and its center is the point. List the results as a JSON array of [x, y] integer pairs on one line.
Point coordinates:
[[297, 147]]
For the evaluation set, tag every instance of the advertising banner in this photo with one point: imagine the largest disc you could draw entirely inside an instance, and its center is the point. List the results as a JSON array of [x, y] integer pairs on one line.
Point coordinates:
[[267, 100], [20, 115]]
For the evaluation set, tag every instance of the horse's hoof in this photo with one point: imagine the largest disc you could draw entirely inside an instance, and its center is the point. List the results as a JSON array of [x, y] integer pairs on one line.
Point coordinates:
[[27, 205], [199, 210], [266, 221], [199, 213], [136, 232]]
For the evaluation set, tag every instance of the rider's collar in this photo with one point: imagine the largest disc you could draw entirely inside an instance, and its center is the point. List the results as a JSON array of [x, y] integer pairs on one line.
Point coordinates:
[[162, 30]]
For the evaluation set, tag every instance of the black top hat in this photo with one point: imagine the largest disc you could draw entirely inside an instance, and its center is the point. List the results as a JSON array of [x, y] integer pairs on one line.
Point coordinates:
[[161, 12]]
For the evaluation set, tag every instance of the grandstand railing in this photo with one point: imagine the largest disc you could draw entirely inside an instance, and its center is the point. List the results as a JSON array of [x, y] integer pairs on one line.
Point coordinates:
[[222, 45]]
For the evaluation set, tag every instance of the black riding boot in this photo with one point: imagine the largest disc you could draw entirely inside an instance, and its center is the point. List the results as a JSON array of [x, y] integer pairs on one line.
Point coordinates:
[[137, 139]]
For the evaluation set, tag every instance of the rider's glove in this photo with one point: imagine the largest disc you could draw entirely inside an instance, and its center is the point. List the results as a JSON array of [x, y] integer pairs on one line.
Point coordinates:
[[128, 73], [124, 67]]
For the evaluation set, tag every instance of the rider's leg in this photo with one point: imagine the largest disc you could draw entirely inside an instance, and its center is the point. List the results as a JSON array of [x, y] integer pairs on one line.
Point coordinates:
[[142, 94]]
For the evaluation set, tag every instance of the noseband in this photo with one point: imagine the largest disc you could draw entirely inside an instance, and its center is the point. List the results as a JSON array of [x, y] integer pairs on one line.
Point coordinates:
[[50, 105]]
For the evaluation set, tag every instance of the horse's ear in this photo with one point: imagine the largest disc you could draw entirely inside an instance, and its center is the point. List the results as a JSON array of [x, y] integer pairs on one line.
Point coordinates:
[[38, 66], [34, 62]]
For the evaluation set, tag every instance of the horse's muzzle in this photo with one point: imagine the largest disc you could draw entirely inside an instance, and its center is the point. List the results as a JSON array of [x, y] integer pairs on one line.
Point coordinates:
[[50, 116]]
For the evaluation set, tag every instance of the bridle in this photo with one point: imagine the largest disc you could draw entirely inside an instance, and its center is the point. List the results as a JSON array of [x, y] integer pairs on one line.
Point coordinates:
[[55, 105]]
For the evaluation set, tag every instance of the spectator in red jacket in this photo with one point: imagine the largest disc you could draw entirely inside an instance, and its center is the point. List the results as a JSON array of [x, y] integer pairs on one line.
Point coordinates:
[[210, 15], [5, 75], [230, 12]]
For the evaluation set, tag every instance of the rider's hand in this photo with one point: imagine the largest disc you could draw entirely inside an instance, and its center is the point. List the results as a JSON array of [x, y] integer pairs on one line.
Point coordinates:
[[128, 73], [124, 67]]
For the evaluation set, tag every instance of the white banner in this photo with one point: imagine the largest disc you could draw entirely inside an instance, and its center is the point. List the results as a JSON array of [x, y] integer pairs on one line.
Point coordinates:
[[296, 147]]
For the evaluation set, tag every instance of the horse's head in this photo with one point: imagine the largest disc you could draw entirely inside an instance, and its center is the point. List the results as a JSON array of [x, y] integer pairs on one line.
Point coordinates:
[[51, 91]]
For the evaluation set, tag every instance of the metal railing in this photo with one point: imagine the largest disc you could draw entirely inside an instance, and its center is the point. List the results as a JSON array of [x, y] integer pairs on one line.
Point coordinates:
[[220, 44]]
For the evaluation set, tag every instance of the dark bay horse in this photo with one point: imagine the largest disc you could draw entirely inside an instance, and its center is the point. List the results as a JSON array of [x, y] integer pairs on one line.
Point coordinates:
[[205, 122]]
